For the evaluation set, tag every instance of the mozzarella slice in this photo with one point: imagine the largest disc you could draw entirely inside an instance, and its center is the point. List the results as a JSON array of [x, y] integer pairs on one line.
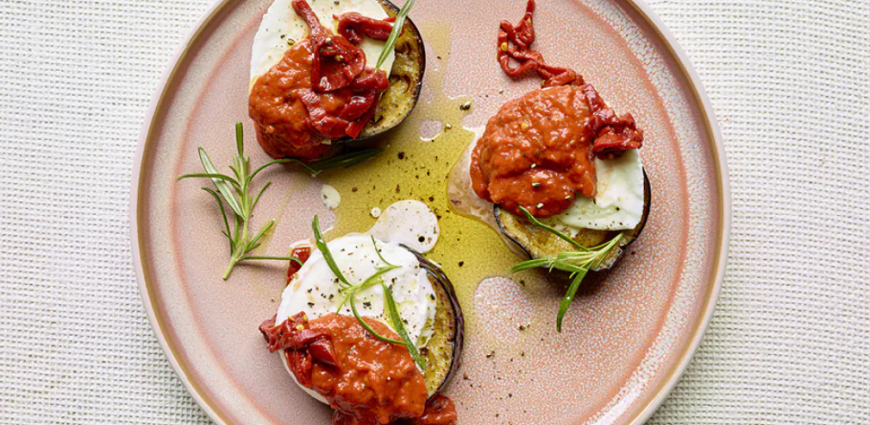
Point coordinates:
[[315, 290], [281, 28], [618, 204]]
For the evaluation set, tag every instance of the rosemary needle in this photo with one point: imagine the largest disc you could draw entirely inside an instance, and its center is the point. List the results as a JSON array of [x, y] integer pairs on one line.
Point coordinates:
[[395, 33]]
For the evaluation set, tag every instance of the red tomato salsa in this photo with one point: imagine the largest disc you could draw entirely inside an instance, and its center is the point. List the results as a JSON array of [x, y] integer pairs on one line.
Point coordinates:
[[537, 152], [320, 90], [368, 381]]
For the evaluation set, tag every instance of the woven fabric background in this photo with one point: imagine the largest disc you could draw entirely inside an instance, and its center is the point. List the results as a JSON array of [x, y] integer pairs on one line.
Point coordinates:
[[790, 339]]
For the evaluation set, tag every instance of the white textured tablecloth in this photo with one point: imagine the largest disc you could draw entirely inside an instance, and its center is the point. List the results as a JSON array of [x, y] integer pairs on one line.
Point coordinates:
[[790, 339]]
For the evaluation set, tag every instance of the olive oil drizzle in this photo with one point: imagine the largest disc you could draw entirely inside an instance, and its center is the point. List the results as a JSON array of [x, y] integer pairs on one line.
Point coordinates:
[[412, 168]]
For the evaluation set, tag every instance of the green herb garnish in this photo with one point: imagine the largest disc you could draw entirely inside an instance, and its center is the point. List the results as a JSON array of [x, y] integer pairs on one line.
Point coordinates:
[[578, 263], [389, 45], [321, 245], [346, 160], [350, 291], [399, 326], [235, 191], [351, 299]]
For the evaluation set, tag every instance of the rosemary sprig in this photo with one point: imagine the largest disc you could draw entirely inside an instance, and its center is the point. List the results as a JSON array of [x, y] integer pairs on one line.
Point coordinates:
[[235, 191], [395, 33], [350, 291], [577, 263], [346, 160]]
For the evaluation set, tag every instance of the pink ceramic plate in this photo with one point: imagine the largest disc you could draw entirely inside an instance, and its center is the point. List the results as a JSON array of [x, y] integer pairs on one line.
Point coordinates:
[[626, 342]]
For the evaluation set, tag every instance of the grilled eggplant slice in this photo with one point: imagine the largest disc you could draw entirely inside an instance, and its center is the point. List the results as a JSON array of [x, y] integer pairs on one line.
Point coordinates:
[[539, 243], [406, 79], [394, 105], [442, 352], [444, 349]]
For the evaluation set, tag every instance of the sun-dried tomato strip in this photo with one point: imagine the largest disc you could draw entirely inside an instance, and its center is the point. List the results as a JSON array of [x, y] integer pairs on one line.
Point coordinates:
[[352, 24], [614, 134], [515, 42], [337, 61]]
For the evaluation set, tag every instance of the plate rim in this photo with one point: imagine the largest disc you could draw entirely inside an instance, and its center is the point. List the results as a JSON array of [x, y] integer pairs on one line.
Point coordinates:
[[658, 27]]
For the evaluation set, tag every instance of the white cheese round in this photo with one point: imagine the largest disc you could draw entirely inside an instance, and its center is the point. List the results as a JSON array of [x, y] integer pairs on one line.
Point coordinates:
[[618, 204], [315, 289]]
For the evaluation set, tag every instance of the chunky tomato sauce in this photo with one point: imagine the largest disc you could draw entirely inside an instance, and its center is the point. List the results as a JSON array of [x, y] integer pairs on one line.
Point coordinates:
[[320, 90], [368, 381], [537, 152], [439, 411]]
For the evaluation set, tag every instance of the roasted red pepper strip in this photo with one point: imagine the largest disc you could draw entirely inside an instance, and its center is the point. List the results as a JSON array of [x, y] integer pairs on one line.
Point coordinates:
[[372, 83], [302, 253], [355, 128], [614, 134], [302, 346], [355, 114], [339, 64], [288, 335], [322, 352], [516, 42], [336, 60], [351, 24], [326, 125]]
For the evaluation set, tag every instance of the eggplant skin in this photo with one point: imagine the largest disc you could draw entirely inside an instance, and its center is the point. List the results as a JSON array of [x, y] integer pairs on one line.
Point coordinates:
[[406, 79], [444, 349], [539, 243]]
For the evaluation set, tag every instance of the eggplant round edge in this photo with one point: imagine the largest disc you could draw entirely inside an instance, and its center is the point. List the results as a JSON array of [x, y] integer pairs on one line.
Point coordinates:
[[406, 79], [444, 349], [539, 243]]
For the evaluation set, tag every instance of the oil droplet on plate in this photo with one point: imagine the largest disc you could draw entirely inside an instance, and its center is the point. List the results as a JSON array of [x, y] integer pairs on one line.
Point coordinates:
[[330, 197]]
